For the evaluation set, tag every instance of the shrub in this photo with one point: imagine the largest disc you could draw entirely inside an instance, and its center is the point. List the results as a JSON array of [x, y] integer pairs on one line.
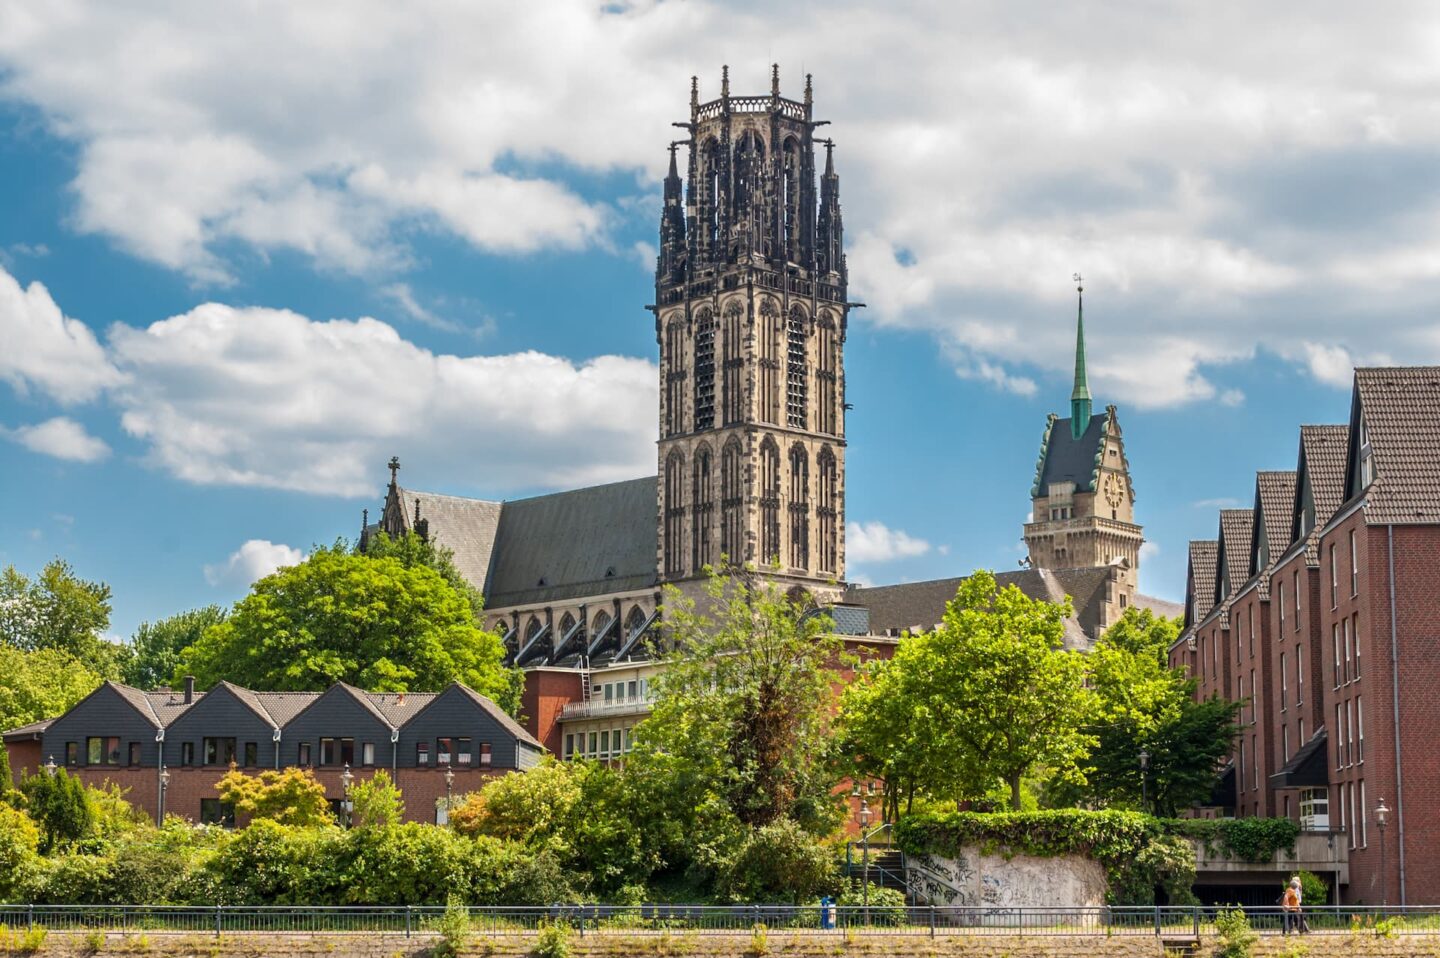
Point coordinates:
[[553, 940], [290, 797], [19, 852], [60, 806], [75, 880], [1313, 888], [1237, 938], [781, 862], [410, 864], [375, 802], [454, 929], [887, 905]]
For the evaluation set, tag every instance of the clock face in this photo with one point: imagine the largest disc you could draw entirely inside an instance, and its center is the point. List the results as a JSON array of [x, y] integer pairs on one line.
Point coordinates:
[[1114, 490]]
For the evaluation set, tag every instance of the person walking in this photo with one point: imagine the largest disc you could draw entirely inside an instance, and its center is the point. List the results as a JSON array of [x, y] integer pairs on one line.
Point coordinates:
[[1290, 903]]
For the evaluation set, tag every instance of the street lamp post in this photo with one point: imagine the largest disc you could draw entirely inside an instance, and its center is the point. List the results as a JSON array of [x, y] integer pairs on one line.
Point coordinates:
[[346, 780], [1144, 781], [449, 784], [1381, 819], [164, 785], [50, 766], [864, 816]]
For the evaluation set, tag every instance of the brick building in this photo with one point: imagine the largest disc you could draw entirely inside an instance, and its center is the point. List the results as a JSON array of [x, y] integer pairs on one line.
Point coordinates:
[[1329, 637], [170, 748]]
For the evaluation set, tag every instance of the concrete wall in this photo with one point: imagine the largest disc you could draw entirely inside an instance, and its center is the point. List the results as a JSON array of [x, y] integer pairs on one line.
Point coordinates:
[[975, 879]]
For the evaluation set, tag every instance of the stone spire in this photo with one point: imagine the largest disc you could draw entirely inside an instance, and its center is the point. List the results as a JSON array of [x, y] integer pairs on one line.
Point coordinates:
[[670, 262], [1080, 395], [830, 250]]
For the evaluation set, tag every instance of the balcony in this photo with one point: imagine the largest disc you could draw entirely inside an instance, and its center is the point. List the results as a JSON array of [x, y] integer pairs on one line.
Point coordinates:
[[1323, 852], [595, 709]]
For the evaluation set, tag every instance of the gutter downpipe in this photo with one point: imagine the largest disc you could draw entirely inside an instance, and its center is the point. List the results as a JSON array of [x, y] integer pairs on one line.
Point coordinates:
[[394, 753], [1395, 703], [275, 739]]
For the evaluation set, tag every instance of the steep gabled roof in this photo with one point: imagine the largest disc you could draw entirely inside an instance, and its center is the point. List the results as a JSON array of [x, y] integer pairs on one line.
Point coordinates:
[[498, 714], [466, 527], [1320, 482], [359, 696], [1063, 458], [1400, 411], [1274, 498], [1233, 564], [1200, 580], [398, 708], [284, 706]]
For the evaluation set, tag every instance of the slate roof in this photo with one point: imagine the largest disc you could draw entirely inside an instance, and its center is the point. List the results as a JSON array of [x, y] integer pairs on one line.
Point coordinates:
[[32, 730], [466, 527], [1400, 407], [921, 605], [1274, 501], [1200, 589], [589, 541], [1323, 451], [499, 715], [1236, 527], [1065, 459], [397, 708], [284, 706]]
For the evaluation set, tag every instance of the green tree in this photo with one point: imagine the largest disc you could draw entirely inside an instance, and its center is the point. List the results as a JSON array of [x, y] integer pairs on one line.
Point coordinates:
[[59, 610], [60, 806], [375, 802], [991, 694], [535, 804], [413, 551], [289, 797], [1146, 706], [341, 617], [19, 845], [746, 697], [156, 646], [41, 684]]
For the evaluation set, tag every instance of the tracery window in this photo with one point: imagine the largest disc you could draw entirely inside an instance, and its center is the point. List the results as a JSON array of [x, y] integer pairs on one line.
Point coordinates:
[[704, 370], [771, 361], [790, 198], [828, 511], [702, 505], [732, 500], [734, 363], [674, 514], [769, 502], [675, 378], [826, 378], [796, 386], [799, 508]]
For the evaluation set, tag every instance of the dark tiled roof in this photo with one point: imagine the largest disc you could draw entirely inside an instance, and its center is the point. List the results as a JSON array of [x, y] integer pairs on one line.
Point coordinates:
[[1322, 451], [27, 731], [590, 541], [284, 706], [1401, 410], [1165, 607], [1064, 459], [1274, 500], [1200, 587], [1235, 530], [249, 698], [466, 527], [399, 708], [499, 715], [921, 605]]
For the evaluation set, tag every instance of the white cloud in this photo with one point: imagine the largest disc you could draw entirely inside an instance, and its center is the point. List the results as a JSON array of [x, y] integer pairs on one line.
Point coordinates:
[[868, 542], [1224, 502], [46, 350], [255, 559], [1229, 179], [61, 437], [1148, 550]]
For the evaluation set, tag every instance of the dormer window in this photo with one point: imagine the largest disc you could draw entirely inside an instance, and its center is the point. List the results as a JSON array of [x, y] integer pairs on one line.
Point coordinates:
[[1367, 462]]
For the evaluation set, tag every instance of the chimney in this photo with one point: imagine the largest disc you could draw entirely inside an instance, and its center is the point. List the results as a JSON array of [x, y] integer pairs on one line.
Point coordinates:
[[189, 689]]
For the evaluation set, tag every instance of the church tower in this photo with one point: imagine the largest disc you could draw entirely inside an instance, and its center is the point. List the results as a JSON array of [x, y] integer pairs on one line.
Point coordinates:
[[1082, 500], [750, 314]]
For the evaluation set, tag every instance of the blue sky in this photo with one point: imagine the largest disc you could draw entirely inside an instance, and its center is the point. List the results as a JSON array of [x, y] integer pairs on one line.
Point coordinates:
[[248, 254]]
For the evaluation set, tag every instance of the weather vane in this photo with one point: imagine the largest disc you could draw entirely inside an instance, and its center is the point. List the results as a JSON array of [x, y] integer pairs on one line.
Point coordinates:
[[1079, 280]]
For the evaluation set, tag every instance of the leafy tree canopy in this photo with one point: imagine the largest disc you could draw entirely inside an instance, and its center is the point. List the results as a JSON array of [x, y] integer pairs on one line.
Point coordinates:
[[60, 806], [989, 696], [413, 551], [156, 646], [746, 697], [376, 802], [340, 617], [289, 797], [40, 684], [59, 610]]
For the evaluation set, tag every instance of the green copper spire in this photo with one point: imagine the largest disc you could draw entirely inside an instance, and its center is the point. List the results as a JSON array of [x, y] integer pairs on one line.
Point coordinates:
[[1080, 395]]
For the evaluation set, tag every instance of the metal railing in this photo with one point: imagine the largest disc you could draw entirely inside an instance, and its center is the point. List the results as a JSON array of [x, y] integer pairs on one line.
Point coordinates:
[[877, 919]]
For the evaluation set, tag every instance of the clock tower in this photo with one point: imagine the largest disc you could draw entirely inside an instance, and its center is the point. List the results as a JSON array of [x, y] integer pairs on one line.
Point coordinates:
[[1082, 499]]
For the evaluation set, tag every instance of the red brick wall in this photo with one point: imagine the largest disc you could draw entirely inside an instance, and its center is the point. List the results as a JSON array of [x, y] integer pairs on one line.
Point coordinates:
[[546, 693], [1296, 702], [25, 758], [1250, 641]]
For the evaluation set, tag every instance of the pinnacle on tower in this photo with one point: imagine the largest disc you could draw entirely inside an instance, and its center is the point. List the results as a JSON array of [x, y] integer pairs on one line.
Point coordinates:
[[1080, 395]]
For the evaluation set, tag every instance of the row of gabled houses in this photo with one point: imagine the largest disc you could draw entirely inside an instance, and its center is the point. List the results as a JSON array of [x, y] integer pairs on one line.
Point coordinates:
[[1318, 608], [170, 748]]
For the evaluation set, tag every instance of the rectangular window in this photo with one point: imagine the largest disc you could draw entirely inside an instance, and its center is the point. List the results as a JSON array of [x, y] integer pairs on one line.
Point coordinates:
[[1334, 579], [112, 751], [1254, 699], [605, 743], [1284, 683], [645, 689], [1339, 737], [187, 753], [215, 812], [444, 751], [94, 750], [1340, 791], [1302, 732], [609, 693], [1299, 676], [1349, 734], [462, 751], [367, 754], [134, 753], [1297, 601], [1250, 626], [1359, 732], [629, 739], [1354, 566], [72, 753], [569, 744], [1280, 595], [1285, 752], [328, 752], [594, 744], [1355, 631], [1335, 641], [422, 753], [347, 751], [219, 751], [630, 689], [1354, 816], [1345, 639], [1255, 751], [304, 758], [1364, 817], [1242, 763], [252, 754], [484, 754]]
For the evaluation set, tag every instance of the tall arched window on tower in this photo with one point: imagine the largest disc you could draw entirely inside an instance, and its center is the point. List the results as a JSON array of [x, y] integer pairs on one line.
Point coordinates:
[[734, 346], [769, 501], [799, 507], [702, 506], [674, 514], [704, 369], [749, 182], [771, 361], [826, 407], [790, 198], [732, 502], [675, 377], [712, 184], [827, 512], [796, 385]]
